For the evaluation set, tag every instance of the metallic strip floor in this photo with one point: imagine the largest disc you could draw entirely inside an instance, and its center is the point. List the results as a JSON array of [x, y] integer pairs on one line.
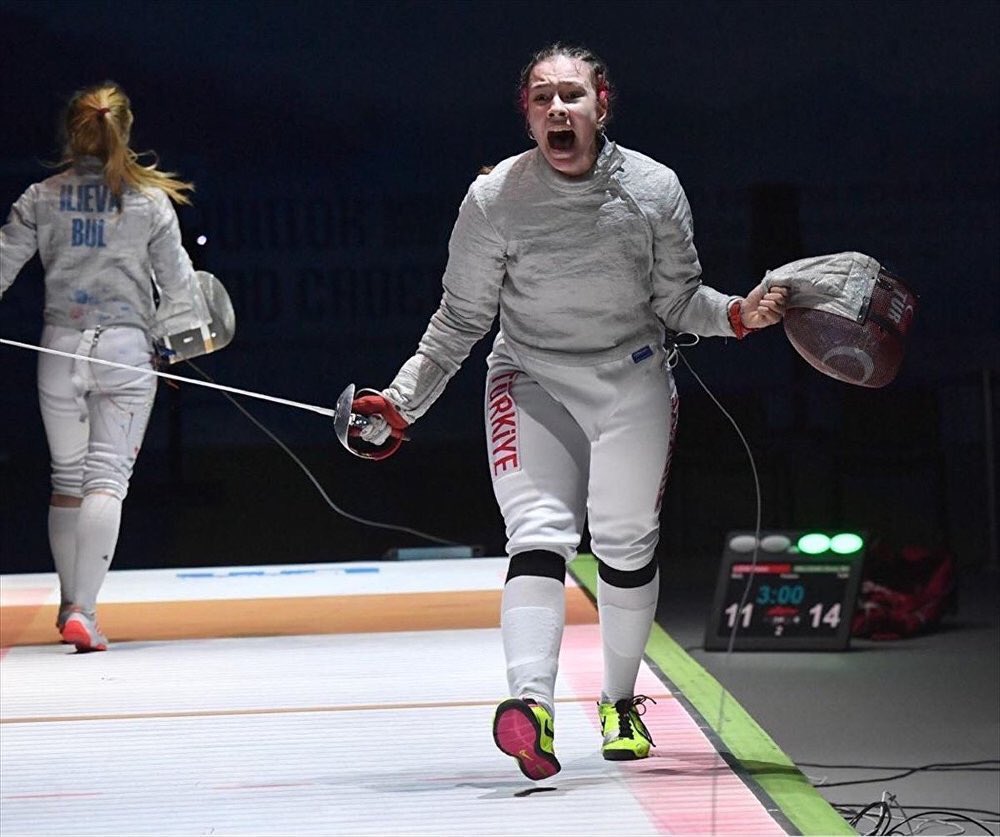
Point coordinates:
[[216, 712]]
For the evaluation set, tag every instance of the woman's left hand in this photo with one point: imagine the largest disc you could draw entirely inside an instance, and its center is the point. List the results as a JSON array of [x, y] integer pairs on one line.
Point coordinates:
[[763, 307]]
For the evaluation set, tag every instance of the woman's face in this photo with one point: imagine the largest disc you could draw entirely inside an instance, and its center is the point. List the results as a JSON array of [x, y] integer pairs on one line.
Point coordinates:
[[564, 113]]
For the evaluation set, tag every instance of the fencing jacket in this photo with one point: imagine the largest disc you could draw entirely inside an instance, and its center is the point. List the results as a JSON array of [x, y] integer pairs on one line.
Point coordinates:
[[581, 270], [99, 261]]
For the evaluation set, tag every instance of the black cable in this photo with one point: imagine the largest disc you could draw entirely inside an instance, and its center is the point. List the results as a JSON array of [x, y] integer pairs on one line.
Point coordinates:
[[863, 781], [951, 815], [935, 765], [898, 766], [884, 826], [988, 816], [885, 817], [858, 816], [943, 767], [676, 347], [315, 482], [673, 353]]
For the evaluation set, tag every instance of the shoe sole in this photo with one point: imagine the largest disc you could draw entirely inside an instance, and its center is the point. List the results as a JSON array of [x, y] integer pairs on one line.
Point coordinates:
[[622, 755], [75, 634], [517, 733]]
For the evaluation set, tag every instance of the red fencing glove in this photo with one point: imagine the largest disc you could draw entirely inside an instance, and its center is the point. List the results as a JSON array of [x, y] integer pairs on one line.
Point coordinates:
[[382, 419]]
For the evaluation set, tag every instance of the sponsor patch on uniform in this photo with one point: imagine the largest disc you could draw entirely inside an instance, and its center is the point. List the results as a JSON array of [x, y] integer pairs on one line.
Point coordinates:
[[642, 354]]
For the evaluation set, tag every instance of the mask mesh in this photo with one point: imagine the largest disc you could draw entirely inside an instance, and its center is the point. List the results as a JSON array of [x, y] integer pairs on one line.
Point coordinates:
[[866, 353]]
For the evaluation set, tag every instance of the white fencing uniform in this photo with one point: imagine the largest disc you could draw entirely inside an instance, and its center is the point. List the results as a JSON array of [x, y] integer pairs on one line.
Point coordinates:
[[585, 273], [565, 441], [102, 259], [100, 263], [95, 416], [580, 405]]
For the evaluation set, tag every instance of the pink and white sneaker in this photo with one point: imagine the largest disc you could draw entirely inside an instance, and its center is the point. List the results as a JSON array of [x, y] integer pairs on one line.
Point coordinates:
[[81, 630]]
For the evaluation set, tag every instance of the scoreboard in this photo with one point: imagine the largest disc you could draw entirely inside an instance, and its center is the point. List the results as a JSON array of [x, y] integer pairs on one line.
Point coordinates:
[[798, 594]]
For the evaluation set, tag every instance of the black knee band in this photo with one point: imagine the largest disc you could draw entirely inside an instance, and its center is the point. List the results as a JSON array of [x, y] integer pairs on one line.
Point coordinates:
[[537, 562], [627, 578]]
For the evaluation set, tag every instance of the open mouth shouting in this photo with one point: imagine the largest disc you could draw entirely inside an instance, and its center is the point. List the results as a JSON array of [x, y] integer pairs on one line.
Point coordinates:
[[564, 114], [561, 139]]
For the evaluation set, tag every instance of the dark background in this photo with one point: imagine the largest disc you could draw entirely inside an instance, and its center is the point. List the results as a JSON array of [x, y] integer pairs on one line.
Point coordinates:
[[331, 143]]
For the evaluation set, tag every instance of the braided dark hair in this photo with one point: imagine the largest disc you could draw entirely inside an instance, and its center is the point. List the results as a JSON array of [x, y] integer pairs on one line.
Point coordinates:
[[598, 71]]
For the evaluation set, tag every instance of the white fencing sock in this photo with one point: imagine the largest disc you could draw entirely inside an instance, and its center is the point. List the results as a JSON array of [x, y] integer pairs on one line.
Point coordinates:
[[626, 614], [96, 538], [532, 616], [62, 542]]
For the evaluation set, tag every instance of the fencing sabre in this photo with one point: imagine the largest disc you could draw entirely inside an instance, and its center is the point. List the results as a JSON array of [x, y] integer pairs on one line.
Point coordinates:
[[343, 418]]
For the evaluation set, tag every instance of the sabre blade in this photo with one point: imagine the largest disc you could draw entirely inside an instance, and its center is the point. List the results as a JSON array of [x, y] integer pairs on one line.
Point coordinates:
[[323, 411]]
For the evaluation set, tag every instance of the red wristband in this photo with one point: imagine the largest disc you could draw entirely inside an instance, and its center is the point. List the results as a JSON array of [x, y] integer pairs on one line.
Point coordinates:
[[736, 320]]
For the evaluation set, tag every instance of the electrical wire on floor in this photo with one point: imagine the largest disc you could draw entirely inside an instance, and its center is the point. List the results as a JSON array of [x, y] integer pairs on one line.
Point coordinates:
[[981, 766], [880, 818], [322, 492], [684, 341]]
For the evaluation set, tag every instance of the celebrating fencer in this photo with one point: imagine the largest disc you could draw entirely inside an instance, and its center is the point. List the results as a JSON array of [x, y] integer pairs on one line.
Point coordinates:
[[105, 230], [585, 249]]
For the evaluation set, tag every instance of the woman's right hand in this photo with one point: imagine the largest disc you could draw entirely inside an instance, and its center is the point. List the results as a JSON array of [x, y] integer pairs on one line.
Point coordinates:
[[382, 420]]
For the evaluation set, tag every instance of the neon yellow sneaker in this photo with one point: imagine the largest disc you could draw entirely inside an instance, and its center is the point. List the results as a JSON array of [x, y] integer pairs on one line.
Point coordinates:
[[625, 735], [523, 729]]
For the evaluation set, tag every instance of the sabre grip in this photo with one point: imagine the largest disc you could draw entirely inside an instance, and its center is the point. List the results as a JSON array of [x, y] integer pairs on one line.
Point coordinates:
[[382, 420]]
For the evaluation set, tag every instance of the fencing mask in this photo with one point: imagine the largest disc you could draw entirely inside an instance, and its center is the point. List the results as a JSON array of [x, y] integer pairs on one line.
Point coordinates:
[[847, 316], [177, 341]]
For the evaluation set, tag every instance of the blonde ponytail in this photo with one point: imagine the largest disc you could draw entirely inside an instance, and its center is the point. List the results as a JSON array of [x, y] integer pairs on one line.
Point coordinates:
[[99, 124]]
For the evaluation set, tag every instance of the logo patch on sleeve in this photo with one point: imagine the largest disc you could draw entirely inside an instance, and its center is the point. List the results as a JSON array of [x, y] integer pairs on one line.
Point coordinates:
[[642, 354]]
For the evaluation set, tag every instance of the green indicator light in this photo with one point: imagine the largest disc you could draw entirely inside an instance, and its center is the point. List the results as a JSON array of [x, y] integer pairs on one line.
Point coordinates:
[[845, 543], [814, 543]]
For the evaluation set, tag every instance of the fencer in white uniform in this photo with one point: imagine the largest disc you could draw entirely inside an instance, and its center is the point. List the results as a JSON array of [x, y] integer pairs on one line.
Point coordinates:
[[105, 233], [585, 249]]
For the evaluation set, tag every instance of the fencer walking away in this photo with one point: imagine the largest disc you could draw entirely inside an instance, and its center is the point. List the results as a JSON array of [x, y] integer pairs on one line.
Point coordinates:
[[105, 230], [585, 249]]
